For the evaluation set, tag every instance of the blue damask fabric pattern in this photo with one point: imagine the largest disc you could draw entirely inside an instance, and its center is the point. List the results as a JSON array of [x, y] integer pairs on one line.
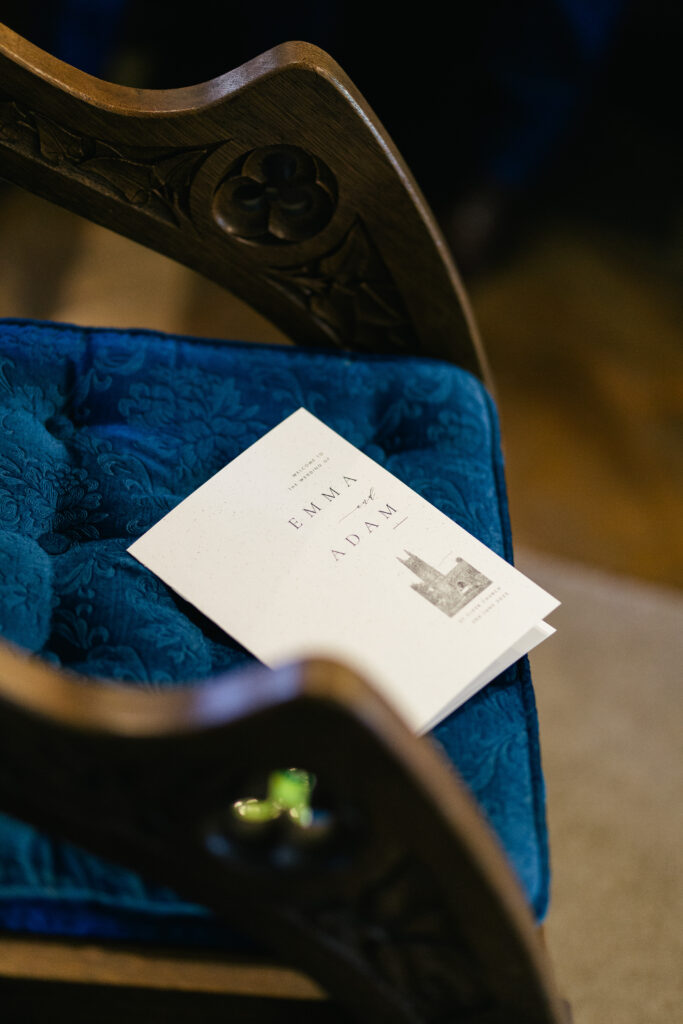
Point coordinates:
[[102, 432]]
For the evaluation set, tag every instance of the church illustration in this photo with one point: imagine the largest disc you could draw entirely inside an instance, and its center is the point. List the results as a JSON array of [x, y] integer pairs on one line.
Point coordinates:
[[449, 592]]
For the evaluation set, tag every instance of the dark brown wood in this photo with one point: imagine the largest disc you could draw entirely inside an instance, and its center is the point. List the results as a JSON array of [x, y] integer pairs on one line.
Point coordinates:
[[275, 180], [37, 1001], [73, 961], [404, 910]]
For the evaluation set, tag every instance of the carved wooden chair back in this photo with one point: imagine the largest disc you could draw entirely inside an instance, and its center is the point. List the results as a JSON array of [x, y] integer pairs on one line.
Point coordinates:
[[277, 181]]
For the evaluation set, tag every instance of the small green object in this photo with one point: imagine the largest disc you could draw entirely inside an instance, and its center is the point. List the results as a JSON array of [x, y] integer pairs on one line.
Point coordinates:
[[253, 811], [289, 793]]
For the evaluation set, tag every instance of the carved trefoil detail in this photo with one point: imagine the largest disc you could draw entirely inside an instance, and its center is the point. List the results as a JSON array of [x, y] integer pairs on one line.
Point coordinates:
[[275, 195]]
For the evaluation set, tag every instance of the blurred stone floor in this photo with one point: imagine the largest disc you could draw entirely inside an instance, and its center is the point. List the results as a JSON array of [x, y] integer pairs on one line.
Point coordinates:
[[608, 688], [584, 333], [584, 329]]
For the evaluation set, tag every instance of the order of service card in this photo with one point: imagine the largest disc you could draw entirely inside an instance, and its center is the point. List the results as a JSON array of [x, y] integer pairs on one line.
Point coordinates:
[[303, 546]]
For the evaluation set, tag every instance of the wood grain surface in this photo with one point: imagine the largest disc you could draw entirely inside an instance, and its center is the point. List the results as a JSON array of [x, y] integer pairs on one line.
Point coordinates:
[[276, 180]]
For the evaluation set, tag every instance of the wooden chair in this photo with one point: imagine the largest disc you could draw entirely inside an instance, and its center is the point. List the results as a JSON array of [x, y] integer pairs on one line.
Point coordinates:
[[277, 181]]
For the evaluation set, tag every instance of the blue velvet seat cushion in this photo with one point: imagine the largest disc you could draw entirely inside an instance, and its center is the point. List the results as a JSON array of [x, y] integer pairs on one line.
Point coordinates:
[[103, 432]]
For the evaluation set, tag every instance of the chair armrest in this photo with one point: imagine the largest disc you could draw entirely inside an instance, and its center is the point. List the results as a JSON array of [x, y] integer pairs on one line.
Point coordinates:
[[401, 904]]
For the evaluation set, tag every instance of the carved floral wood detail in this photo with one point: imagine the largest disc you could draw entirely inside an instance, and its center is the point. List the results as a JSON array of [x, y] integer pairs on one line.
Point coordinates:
[[349, 292], [154, 178], [398, 927]]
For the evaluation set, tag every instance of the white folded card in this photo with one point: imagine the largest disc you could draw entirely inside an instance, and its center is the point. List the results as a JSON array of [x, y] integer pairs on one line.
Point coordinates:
[[304, 546]]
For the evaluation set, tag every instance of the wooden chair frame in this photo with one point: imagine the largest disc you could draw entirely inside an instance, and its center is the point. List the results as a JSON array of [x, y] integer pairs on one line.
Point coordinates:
[[171, 169], [277, 181]]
